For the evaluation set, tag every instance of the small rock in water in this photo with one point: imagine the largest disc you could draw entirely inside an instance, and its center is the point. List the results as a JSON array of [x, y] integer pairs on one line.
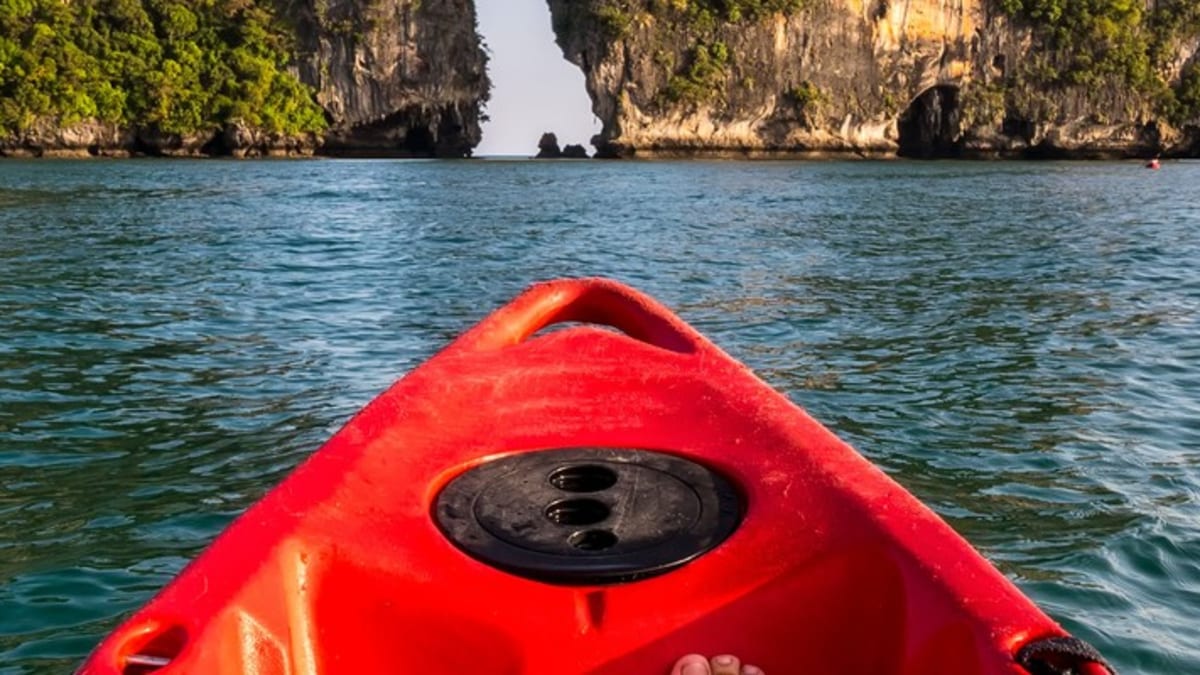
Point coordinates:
[[574, 151], [548, 147]]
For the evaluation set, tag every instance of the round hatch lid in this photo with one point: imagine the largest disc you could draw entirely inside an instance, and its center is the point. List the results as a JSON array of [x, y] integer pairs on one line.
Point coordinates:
[[588, 515]]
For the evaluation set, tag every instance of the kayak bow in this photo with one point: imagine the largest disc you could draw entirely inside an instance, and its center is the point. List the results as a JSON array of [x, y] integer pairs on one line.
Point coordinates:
[[586, 500]]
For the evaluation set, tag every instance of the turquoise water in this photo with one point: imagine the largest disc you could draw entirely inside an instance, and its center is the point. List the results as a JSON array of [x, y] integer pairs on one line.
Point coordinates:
[[1017, 343]]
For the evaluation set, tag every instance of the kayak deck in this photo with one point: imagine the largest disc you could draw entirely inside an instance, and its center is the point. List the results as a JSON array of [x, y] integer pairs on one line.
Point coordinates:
[[831, 566]]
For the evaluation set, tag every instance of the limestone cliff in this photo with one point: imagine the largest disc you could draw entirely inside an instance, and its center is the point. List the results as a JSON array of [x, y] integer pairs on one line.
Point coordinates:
[[870, 77], [395, 77], [392, 77]]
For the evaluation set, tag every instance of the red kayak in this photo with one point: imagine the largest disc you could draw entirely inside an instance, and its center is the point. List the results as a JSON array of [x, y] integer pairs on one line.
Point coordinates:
[[587, 500]]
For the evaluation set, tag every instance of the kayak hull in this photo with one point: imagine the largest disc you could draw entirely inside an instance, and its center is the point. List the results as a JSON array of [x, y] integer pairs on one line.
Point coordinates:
[[831, 568]]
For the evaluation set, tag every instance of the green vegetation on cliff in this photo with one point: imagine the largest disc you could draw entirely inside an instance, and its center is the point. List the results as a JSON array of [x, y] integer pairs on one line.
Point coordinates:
[[699, 73], [1098, 43], [177, 66], [617, 15], [1098, 39], [703, 76], [706, 12]]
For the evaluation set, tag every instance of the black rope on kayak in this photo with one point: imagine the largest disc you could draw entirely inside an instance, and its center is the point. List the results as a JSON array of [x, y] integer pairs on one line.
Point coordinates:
[[1060, 656]]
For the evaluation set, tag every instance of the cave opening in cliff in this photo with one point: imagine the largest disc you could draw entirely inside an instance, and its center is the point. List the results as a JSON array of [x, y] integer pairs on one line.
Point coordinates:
[[420, 141], [534, 88], [929, 128]]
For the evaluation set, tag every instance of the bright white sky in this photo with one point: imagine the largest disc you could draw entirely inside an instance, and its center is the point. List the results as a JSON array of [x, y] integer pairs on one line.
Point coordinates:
[[534, 89]]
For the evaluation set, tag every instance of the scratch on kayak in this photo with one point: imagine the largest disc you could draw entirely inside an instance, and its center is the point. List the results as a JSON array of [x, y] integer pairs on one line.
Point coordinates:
[[589, 610], [779, 480], [302, 630]]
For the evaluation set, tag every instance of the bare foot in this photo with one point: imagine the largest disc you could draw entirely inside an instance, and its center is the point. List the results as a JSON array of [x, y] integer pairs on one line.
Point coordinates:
[[694, 664]]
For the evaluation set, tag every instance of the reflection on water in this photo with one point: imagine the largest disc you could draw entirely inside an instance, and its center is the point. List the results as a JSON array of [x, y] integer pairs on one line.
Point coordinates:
[[1016, 343]]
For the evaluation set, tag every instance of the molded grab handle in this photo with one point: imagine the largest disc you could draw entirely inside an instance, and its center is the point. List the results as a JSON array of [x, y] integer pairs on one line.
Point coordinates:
[[591, 300]]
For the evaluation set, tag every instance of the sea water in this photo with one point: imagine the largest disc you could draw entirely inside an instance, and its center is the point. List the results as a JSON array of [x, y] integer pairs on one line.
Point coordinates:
[[1016, 343]]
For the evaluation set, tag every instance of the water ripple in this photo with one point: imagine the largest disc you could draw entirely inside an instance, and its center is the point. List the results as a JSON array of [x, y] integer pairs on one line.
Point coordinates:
[[1016, 343]]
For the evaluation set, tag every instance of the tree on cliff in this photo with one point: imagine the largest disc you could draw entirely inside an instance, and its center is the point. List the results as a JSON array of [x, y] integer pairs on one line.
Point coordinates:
[[175, 66]]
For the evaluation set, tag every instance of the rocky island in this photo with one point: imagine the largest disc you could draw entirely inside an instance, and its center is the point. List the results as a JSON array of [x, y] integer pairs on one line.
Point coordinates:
[[742, 78], [241, 77], [918, 78]]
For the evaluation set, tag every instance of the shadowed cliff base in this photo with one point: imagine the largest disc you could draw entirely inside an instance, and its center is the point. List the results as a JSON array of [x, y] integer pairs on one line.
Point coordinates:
[[413, 132], [929, 128]]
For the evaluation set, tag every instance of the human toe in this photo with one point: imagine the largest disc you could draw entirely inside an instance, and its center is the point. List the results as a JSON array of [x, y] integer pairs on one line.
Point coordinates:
[[692, 664], [726, 664]]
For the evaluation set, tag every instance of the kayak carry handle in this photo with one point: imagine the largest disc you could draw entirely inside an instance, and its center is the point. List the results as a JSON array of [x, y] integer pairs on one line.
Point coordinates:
[[145, 647], [590, 300]]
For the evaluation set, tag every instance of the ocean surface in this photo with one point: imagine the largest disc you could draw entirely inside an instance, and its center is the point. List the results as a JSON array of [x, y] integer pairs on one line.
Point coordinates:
[[1016, 343]]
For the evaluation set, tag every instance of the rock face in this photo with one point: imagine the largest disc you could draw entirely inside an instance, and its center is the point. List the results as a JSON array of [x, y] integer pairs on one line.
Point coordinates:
[[916, 78], [574, 151], [924, 78], [395, 77], [548, 147], [94, 139]]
